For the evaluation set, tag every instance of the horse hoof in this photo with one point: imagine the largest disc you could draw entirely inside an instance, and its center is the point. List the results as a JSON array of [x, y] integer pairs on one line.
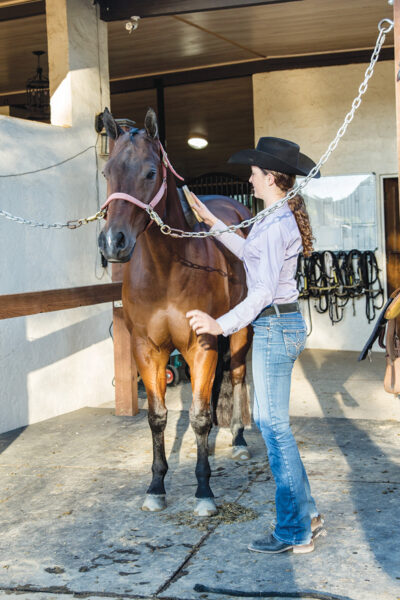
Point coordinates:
[[205, 508], [240, 453], [154, 503]]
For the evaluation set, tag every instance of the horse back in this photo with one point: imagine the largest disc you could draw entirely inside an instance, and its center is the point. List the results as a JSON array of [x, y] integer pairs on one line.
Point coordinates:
[[231, 212], [228, 210]]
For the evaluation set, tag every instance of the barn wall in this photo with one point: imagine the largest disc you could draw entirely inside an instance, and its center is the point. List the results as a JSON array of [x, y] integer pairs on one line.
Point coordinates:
[[56, 362], [308, 106]]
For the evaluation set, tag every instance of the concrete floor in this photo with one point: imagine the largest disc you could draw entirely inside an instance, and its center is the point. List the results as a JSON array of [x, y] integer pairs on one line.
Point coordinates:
[[72, 488]]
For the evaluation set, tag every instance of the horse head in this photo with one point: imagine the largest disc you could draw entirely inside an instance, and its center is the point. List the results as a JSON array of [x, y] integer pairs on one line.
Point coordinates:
[[134, 174]]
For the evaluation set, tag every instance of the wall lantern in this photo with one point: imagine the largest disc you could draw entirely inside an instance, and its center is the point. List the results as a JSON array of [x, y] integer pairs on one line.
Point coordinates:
[[104, 146], [124, 124], [197, 142], [38, 92]]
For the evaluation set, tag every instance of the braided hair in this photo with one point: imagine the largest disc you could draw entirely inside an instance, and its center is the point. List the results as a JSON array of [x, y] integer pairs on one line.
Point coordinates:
[[298, 207]]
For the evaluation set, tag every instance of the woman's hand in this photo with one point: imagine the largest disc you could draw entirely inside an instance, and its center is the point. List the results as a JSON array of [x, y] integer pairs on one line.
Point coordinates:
[[203, 212], [201, 322]]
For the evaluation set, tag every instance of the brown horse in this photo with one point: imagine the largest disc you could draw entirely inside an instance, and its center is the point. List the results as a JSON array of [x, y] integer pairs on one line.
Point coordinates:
[[164, 278]]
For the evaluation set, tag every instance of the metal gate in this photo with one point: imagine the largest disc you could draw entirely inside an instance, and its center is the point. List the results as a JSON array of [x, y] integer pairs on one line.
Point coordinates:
[[224, 184]]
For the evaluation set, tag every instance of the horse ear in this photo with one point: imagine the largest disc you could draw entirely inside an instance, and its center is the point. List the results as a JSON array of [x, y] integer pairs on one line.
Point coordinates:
[[150, 123], [112, 128]]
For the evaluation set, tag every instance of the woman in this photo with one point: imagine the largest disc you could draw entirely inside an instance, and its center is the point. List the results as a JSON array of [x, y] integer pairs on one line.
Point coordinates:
[[269, 254]]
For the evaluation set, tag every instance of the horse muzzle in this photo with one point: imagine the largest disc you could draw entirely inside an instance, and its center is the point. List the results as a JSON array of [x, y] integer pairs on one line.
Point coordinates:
[[116, 246]]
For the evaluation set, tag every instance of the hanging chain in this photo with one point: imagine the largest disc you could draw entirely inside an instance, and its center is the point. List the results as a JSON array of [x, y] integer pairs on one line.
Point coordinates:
[[384, 27], [74, 224], [69, 224]]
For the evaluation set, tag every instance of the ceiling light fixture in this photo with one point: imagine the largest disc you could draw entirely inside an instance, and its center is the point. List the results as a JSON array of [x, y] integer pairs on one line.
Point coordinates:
[[197, 142], [38, 92]]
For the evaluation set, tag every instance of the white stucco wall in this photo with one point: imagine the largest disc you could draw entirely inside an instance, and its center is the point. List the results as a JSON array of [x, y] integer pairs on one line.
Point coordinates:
[[55, 362], [308, 106]]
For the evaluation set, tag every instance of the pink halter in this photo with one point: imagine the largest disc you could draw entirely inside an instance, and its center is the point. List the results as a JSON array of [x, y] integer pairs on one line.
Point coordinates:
[[157, 197]]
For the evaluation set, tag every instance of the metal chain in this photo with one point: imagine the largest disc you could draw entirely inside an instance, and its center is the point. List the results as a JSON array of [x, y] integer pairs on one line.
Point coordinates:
[[384, 27], [74, 224], [69, 224]]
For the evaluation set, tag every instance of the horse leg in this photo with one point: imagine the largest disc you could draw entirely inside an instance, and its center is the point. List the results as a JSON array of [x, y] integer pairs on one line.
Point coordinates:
[[151, 364], [239, 344], [202, 370]]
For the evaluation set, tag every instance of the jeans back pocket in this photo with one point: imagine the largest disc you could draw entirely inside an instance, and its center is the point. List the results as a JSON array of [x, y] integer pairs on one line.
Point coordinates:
[[295, 341]]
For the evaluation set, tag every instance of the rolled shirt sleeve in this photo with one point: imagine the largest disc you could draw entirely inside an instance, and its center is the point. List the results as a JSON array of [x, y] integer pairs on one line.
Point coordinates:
[[272, 245], [234, 242]]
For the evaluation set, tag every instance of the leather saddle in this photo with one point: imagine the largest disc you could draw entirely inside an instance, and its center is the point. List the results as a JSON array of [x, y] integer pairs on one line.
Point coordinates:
[[389, 312]]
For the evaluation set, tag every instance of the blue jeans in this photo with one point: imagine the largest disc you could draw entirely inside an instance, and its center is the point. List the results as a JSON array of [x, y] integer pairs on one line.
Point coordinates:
[[278, 341]]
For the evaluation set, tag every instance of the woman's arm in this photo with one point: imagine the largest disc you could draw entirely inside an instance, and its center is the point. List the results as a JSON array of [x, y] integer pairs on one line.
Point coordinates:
[[273, 246], [259, 296], [232, 241]]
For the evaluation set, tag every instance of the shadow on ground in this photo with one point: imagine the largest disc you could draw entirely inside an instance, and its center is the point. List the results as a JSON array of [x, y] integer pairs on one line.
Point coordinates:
[[71, 519]]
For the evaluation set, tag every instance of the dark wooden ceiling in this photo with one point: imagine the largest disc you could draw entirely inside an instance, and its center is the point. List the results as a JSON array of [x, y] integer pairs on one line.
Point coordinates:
[[222, 111], [177, 43], [231, 41], [115, 10]]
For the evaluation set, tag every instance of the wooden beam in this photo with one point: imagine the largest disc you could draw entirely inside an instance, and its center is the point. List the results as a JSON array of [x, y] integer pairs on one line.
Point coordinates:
[[22, 11], [31, 303], [160, 110], [13, 99], [125, 370], [116, 10], [245, 69], [134, 84]]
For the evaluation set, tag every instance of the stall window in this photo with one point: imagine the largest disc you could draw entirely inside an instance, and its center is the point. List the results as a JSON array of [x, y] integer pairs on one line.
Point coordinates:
[[343, 212]]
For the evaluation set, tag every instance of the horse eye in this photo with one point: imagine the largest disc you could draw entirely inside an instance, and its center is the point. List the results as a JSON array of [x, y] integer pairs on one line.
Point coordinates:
[[150, 175]]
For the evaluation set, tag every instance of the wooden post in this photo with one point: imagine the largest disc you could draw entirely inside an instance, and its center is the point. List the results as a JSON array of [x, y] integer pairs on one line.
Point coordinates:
[[126, 393], [161, 111]]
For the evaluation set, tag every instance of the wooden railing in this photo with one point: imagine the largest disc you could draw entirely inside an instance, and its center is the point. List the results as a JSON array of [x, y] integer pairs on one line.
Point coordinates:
[[31, 303]]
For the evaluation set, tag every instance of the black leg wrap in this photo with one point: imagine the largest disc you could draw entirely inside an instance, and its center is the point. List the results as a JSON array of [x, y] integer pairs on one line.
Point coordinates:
[[160, 465], [238, 439], [157, 483], [203, 474], [201, 424]]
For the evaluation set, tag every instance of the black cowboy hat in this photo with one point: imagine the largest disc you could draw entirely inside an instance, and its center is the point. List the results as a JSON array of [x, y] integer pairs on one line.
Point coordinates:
[[275, 154]]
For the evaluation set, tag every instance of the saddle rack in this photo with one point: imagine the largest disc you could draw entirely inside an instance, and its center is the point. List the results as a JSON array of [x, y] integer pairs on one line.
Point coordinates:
[[387, 332]]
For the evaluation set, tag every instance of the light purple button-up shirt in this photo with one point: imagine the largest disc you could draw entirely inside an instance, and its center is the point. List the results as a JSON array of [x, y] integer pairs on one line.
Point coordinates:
[[269, 255]]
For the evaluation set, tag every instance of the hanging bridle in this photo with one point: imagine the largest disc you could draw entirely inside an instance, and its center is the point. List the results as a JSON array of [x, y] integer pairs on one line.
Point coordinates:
[[122, 196]]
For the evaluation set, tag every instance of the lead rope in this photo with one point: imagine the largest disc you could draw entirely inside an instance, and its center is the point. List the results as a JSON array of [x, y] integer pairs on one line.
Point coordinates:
[[384, 27]]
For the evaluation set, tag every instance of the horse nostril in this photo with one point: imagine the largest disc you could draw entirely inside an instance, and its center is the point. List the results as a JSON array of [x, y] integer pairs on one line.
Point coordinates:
[[120, 241]]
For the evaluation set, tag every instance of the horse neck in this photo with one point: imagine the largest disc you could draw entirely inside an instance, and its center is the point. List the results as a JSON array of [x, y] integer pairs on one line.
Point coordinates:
[[171, 212]]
